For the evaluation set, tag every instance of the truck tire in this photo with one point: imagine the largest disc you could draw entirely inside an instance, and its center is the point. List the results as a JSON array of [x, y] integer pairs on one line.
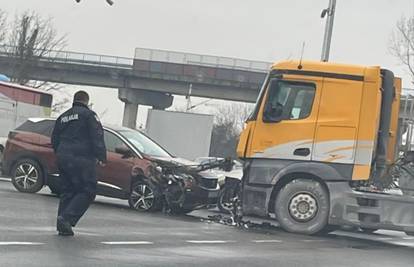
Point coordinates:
[[27, 176], [145, 197], [302, 206]]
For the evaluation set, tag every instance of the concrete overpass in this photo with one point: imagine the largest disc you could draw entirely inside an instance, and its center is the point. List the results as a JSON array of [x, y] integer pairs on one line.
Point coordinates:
[[151, 78]]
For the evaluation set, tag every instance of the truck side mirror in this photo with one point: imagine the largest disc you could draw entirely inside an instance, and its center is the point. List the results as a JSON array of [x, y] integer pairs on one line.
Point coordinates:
[[273, 113]]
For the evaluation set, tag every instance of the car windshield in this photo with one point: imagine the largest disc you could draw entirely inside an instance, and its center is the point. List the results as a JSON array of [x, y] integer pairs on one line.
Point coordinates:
[[144, 144]]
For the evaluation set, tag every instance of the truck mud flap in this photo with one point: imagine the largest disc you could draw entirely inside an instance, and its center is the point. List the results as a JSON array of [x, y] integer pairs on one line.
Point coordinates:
[[370, 210]]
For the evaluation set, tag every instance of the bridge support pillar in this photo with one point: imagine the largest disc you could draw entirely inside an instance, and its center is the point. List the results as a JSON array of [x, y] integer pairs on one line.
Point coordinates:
[[133, 97], [130, 115]]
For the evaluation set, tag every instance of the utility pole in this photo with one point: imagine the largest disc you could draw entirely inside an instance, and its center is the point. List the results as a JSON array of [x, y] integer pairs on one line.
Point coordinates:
[[330, 11], [190, 91]]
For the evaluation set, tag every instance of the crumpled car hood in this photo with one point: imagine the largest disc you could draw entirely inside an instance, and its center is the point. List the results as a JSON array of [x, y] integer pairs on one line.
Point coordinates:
[[184, 162]]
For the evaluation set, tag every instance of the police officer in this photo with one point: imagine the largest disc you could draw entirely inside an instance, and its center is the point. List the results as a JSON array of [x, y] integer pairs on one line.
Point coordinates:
[[78, 143]]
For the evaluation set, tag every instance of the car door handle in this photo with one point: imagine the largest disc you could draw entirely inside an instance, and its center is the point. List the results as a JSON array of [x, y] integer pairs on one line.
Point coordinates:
[[301, 152]]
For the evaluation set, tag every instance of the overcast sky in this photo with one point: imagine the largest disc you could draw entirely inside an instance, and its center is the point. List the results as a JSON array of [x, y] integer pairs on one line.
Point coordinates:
[[268, 30]]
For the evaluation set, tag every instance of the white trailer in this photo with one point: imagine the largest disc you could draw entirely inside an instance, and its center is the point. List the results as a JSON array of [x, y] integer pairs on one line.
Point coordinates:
[[185, 135]]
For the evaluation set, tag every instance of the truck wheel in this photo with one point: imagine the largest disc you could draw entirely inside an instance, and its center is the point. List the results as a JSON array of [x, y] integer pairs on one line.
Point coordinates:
[[27, 176], [302, 206], [329, 229], [145, 197]]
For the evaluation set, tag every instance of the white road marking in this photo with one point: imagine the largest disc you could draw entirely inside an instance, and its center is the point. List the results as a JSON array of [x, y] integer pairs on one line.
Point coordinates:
[[208, 241], [128, 243], [15, 243], [313, 240], [408, 238], [5, 179], [87, 233], [267, 241]]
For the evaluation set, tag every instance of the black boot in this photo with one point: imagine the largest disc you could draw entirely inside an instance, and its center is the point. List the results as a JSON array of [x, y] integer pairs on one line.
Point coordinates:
[[63, 227]]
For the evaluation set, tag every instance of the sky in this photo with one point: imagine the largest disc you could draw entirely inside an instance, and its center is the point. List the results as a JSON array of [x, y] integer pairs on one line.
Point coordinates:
[[268, 30]]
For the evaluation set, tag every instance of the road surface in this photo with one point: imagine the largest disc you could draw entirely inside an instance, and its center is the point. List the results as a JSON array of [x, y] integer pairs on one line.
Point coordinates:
[[111, 234]]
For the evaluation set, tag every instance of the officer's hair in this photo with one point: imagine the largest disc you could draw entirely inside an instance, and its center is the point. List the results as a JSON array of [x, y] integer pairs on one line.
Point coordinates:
[[81, 96]]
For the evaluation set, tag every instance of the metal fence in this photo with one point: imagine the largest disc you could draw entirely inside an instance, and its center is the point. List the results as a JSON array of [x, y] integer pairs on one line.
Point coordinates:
[[75, 57], [145, 54], [202, 60]]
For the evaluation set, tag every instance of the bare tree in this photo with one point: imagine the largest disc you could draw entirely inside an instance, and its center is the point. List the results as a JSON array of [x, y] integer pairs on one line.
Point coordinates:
[[3, 25], [402, 43], [30, 38], [228, 124]]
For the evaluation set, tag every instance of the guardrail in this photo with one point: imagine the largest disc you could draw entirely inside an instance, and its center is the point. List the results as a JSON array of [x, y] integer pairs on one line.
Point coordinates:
[[75, 57], [202, 60], [148, 55]]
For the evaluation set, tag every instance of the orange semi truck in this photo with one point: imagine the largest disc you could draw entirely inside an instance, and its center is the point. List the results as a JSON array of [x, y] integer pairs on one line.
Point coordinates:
[[319, 134]]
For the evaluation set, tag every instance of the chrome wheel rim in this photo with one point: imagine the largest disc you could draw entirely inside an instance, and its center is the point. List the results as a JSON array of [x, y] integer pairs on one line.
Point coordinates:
[[26, 175], [142, 197], [303, 207]]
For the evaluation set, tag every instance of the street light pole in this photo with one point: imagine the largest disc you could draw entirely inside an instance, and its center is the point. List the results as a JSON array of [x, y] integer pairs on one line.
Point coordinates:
[[330, 11]]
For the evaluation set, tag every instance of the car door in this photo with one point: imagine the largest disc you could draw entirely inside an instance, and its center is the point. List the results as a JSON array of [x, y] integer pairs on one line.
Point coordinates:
[[116, 175]]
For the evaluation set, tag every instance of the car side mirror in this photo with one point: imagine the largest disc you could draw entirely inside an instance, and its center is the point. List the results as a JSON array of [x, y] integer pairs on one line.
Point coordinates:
[[124, 151]]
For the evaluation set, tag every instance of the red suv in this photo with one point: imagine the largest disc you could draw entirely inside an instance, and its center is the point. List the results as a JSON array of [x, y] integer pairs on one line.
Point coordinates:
[[133, 159]]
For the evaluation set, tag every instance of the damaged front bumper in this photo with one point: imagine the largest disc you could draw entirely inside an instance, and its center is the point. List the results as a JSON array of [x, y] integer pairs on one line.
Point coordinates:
[[199, 197]]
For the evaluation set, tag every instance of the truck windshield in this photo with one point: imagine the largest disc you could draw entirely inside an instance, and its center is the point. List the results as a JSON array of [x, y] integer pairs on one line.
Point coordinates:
[[144, 144]]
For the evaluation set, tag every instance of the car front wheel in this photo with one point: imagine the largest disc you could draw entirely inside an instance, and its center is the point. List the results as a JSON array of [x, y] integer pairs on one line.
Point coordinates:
[[144, 197], [27, 176]]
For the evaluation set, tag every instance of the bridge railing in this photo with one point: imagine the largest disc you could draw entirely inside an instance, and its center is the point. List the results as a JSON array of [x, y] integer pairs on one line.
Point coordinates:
[[75, 57], [203, 60], [144, 54]]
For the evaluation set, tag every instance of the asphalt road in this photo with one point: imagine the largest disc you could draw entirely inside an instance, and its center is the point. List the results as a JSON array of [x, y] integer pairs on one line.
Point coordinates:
[[110, 234]]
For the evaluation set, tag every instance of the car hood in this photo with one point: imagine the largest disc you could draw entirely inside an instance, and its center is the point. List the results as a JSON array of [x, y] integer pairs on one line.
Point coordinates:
[[175, 161], [172, 162]]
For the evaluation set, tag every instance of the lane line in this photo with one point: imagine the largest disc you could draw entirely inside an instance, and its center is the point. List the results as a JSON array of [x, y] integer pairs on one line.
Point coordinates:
[[87, 233], [15, 243], [267, 241], [127, 243], [208, 241], [408, 238], [313, 240]]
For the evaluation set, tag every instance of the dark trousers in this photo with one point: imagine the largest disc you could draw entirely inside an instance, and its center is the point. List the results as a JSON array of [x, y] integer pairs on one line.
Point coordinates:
[[78, 176]]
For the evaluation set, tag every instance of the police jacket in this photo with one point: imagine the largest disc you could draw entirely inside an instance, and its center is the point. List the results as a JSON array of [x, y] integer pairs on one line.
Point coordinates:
[[79, 132]]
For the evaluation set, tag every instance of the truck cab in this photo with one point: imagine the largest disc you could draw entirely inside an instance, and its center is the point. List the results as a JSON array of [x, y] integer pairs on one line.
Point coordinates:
[[318, 131]]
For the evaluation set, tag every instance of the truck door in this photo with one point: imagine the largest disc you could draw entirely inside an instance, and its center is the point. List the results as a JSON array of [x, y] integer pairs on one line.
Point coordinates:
[[283, 132], [286, 122]]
